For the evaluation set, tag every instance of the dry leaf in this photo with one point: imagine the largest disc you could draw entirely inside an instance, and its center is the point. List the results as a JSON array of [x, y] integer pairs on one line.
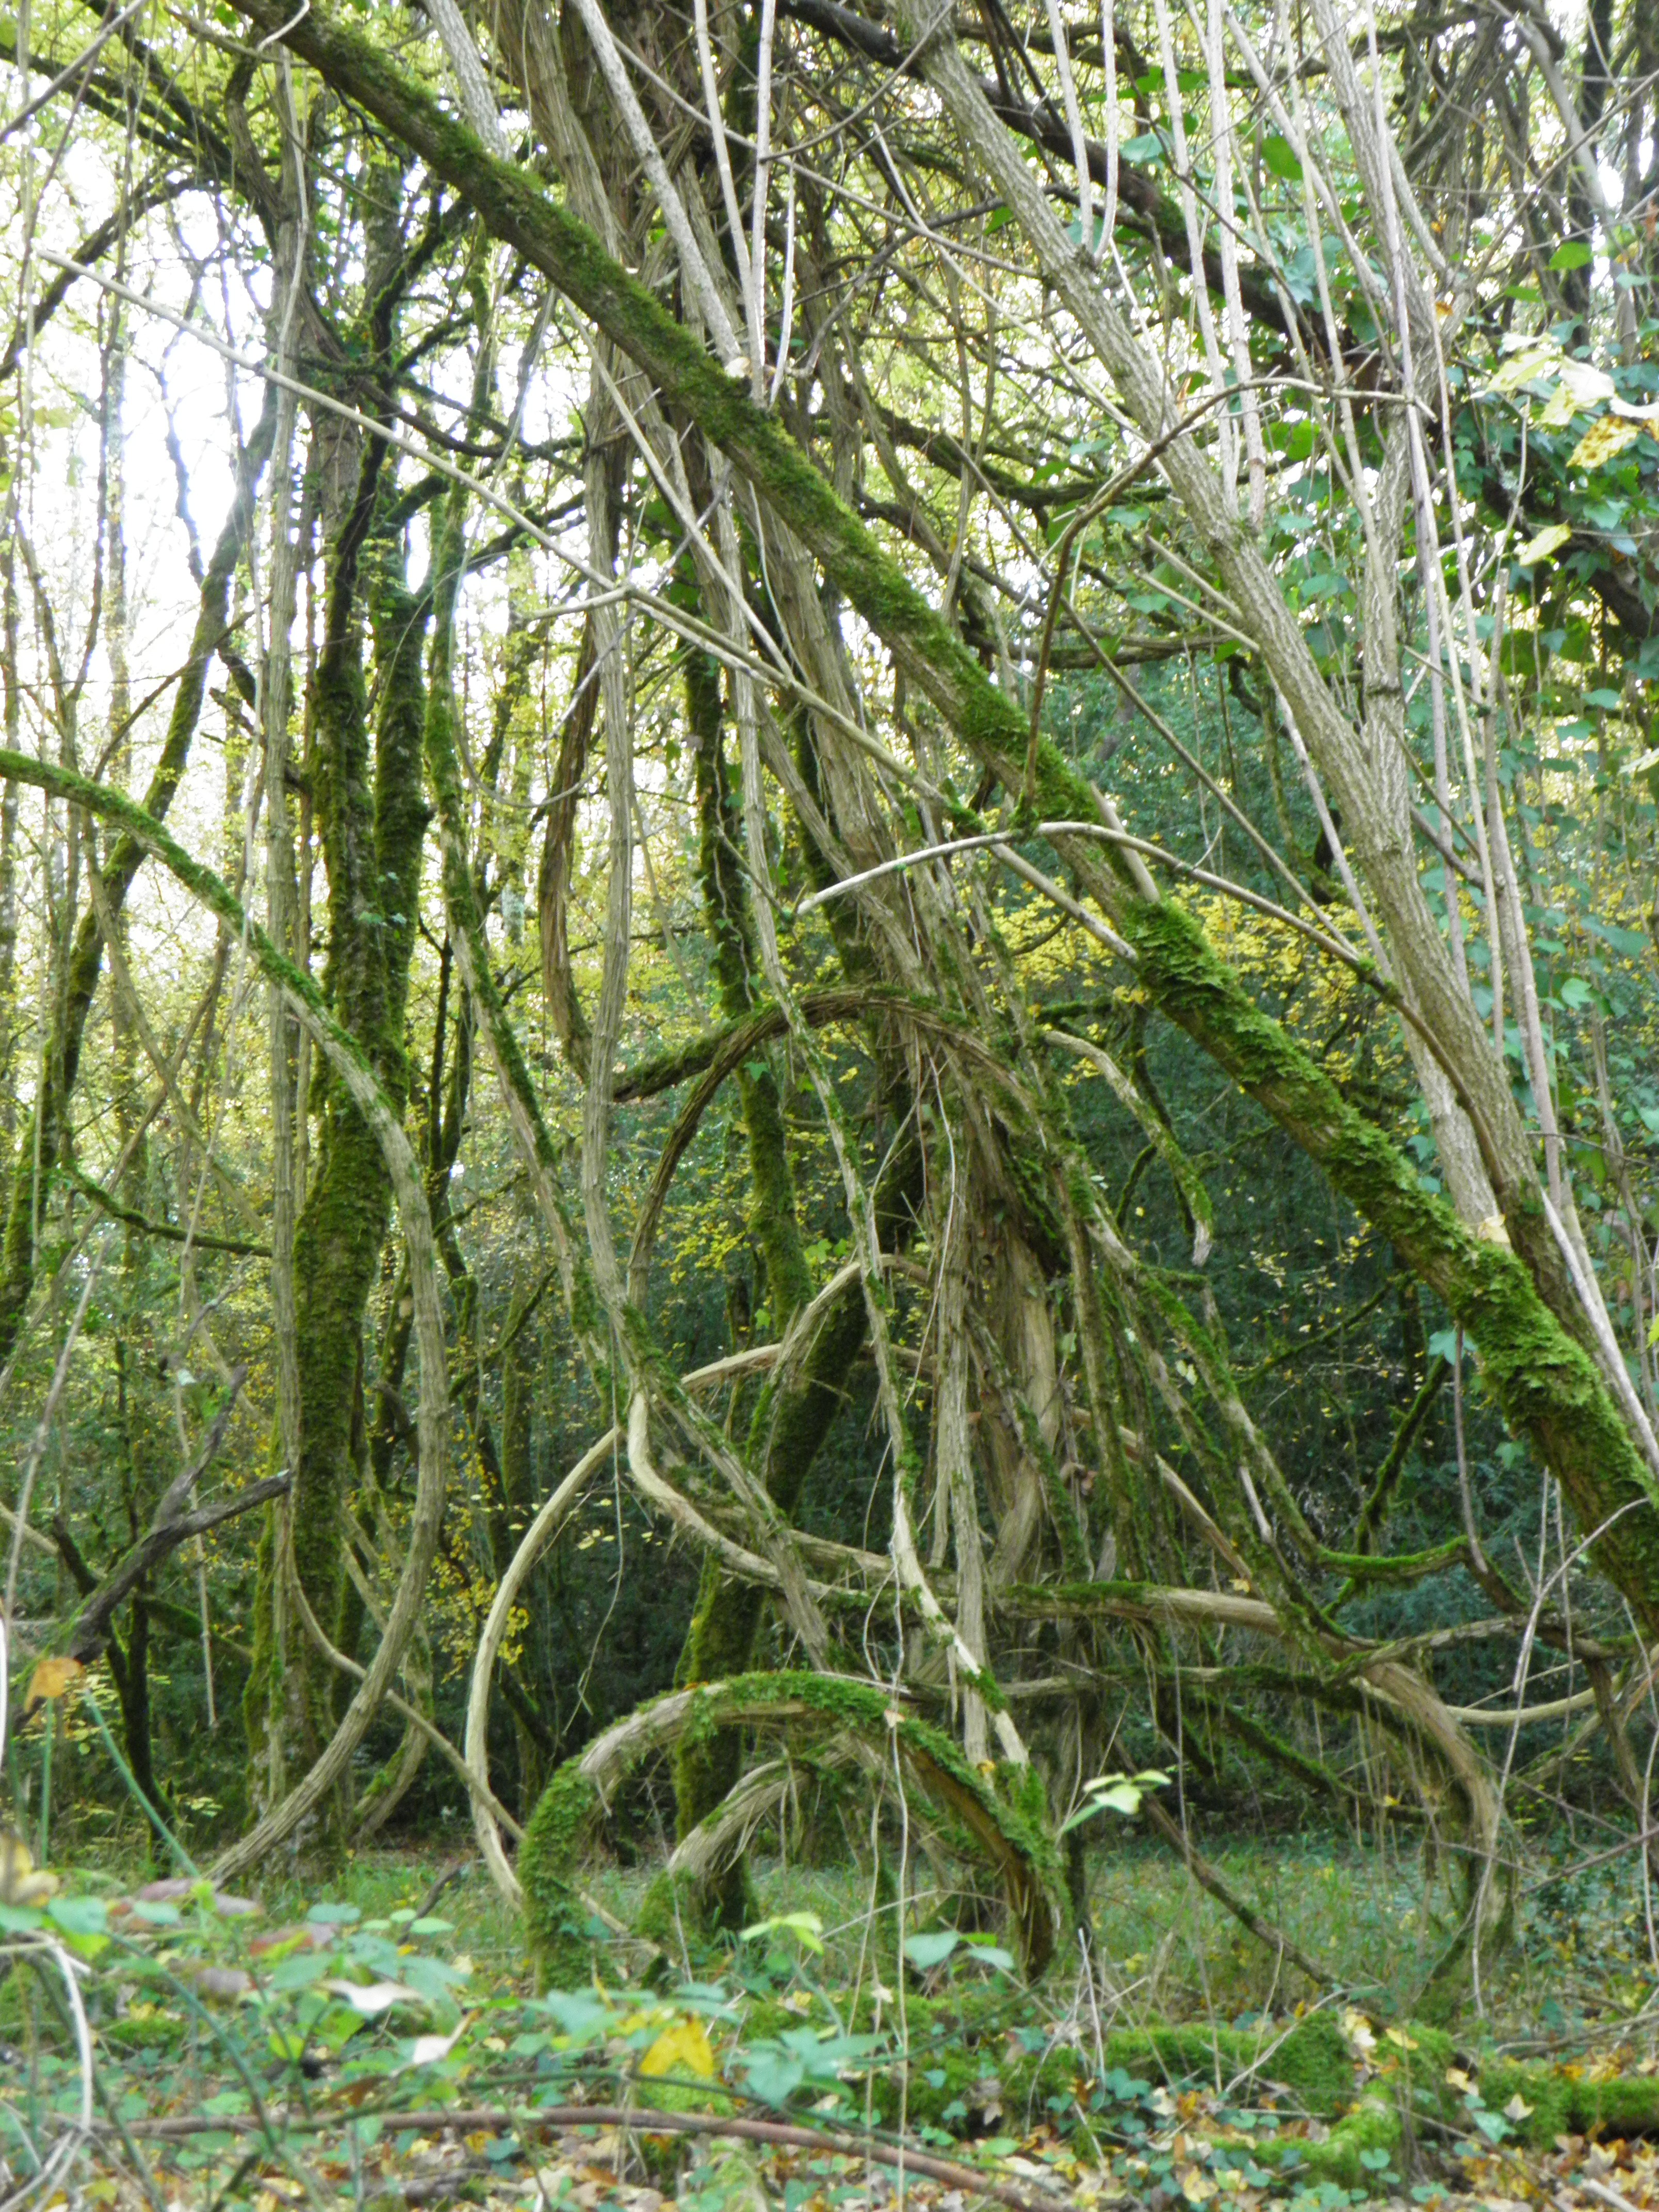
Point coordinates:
[[50, 1680], [428, 2050], [21, 1882], [372, 1997], [1603, 441]]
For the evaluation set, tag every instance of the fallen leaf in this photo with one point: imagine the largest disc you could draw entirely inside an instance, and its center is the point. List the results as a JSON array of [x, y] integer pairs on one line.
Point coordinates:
[[372, 1997], [428, 2050]]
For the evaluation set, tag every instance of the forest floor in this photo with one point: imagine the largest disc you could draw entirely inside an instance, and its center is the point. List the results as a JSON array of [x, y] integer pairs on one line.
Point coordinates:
[[376, 2042]]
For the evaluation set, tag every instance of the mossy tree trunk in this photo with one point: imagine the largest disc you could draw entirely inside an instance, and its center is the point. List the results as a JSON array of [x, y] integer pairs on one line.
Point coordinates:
[[372, 817]]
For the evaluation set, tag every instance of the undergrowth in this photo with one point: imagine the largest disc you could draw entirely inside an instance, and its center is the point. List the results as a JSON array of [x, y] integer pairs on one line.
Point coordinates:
[[377, 2039]]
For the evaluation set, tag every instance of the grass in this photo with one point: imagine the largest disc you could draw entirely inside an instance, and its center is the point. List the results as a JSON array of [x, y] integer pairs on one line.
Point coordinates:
[[1167, 1954], [1169, 1951]]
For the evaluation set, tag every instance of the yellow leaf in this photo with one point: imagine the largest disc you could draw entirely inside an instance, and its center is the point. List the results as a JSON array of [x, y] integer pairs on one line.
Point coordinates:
[[1523, 366], [21, 1882], [1398, 2036], [1196, 2186], [1603, 441], [1546, 542], [1582, 387], [50, 1680], [682, 2049]]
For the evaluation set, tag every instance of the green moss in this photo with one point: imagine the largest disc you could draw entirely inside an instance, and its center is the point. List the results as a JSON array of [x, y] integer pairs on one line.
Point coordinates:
[[1013, 1836], [1567, 2104], [560, 1830], [1373, 2125], [932, 2087], [1311, 2059], [373, 818]]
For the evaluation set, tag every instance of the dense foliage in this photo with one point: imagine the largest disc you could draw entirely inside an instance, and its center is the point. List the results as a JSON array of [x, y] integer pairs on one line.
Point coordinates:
[[829, 891]]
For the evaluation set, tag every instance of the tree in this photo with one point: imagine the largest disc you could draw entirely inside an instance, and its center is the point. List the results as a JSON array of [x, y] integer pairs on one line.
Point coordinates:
[[822, 420]]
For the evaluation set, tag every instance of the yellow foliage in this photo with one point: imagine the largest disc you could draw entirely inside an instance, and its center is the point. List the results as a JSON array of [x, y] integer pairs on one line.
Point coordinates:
[[50, 1680], [1603, 441], [682, 2049]]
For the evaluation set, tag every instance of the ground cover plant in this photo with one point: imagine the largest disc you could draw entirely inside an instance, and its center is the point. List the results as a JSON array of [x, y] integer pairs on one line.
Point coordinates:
[[829, 1152]]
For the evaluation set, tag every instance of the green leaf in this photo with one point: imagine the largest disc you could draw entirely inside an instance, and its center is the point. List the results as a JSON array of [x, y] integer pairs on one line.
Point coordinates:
[[984, 1953], [1573, 255], [1549, 540], [931, 1948], [582, 2017], [1148, 147], [806, 1926], [1280, 157], [80, 1916], [297, 1972]]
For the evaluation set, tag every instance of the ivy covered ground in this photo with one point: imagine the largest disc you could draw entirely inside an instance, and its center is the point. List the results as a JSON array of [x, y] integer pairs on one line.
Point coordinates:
[[378, 2041]]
